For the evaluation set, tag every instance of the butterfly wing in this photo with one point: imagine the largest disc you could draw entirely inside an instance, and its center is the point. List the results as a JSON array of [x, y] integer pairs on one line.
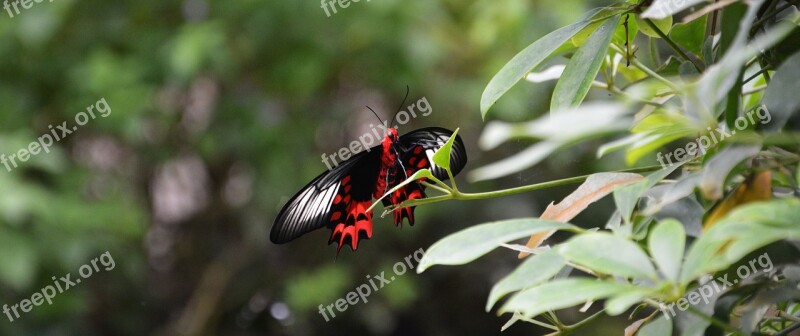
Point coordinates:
[[336, 199], [417, 150], [339, 198], [430, 139]]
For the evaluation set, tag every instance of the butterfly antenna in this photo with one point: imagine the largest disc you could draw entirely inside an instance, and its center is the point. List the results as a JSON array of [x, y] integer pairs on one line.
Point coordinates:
[[401, 104], [376, 115]]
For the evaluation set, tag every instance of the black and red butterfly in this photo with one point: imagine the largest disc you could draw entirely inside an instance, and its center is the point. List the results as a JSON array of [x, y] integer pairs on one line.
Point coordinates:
[[338, 199]]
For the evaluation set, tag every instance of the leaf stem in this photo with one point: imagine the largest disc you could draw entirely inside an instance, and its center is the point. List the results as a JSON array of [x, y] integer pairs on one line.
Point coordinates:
[[767, 16], [539, 323], [647, 70], [433, 186], [754, 90], [613, 89], [755, 75], [457, 195], [582, 323], [673, 45], [785, 332]]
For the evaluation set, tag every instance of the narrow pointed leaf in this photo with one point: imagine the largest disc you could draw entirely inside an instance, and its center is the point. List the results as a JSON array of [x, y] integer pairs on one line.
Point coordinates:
[[528, 59], [582, 68]]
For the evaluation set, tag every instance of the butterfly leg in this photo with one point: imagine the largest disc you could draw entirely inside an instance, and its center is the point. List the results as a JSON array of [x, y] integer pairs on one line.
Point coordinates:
[[411, 191]]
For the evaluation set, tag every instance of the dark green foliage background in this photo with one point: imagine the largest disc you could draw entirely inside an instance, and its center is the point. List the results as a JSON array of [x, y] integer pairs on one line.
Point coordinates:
[[244, 97]]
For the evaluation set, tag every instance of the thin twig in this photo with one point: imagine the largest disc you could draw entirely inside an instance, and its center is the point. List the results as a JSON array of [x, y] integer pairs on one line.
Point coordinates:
[[673, 45], [457, 195], [707, 9]]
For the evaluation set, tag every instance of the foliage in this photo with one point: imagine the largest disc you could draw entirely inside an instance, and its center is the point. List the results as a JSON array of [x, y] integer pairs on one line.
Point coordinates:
[[739, 179], [220, 112]]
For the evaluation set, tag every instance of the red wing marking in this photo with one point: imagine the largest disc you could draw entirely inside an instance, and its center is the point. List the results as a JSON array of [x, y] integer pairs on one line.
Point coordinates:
[[411, 191], [356, 222]]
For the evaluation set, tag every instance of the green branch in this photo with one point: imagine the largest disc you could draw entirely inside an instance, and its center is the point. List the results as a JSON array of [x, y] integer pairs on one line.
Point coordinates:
[[647, 70], [673, 45], [454, 194]]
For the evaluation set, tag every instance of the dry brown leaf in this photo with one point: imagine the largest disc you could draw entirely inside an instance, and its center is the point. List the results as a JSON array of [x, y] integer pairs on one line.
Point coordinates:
[[634, 327], [757, 187], [594, 188]]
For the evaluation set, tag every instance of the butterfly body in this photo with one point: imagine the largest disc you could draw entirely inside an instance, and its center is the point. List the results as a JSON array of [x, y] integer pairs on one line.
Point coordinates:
[[339, 198]]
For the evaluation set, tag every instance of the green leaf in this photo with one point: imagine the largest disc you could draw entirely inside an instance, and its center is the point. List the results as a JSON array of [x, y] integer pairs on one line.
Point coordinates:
[[560, 294], [659, 128], [659, 327], [780, 98], [596, 16], [442, 156], [663, 24], [717, 80], [588, 121], [691, 35], [469, 244], [741, 232], [733, 102], [628, 196], [620, 31], [618, 144], [717, 169], [620, 303], [580, 37], [666, 244], [532, 271], [582, 69], [528, 59], [732, 23], [609, 254]]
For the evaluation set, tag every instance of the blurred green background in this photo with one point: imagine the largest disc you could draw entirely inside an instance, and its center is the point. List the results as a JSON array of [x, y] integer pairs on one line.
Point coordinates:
[[220, 112]]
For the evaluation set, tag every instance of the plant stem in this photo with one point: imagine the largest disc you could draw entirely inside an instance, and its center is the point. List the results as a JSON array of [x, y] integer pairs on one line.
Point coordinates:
[[785, 332], [647, 70], [769, 15], [434, 186], [788, 316], [651, 45], [673, 45], [550, 315], [613, 89], [755, 75], [457, 195], [539, 323], [754, 90], [582, 323]]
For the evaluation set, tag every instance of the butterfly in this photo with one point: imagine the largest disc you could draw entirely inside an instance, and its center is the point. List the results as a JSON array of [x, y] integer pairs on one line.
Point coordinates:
[[339, 198]]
